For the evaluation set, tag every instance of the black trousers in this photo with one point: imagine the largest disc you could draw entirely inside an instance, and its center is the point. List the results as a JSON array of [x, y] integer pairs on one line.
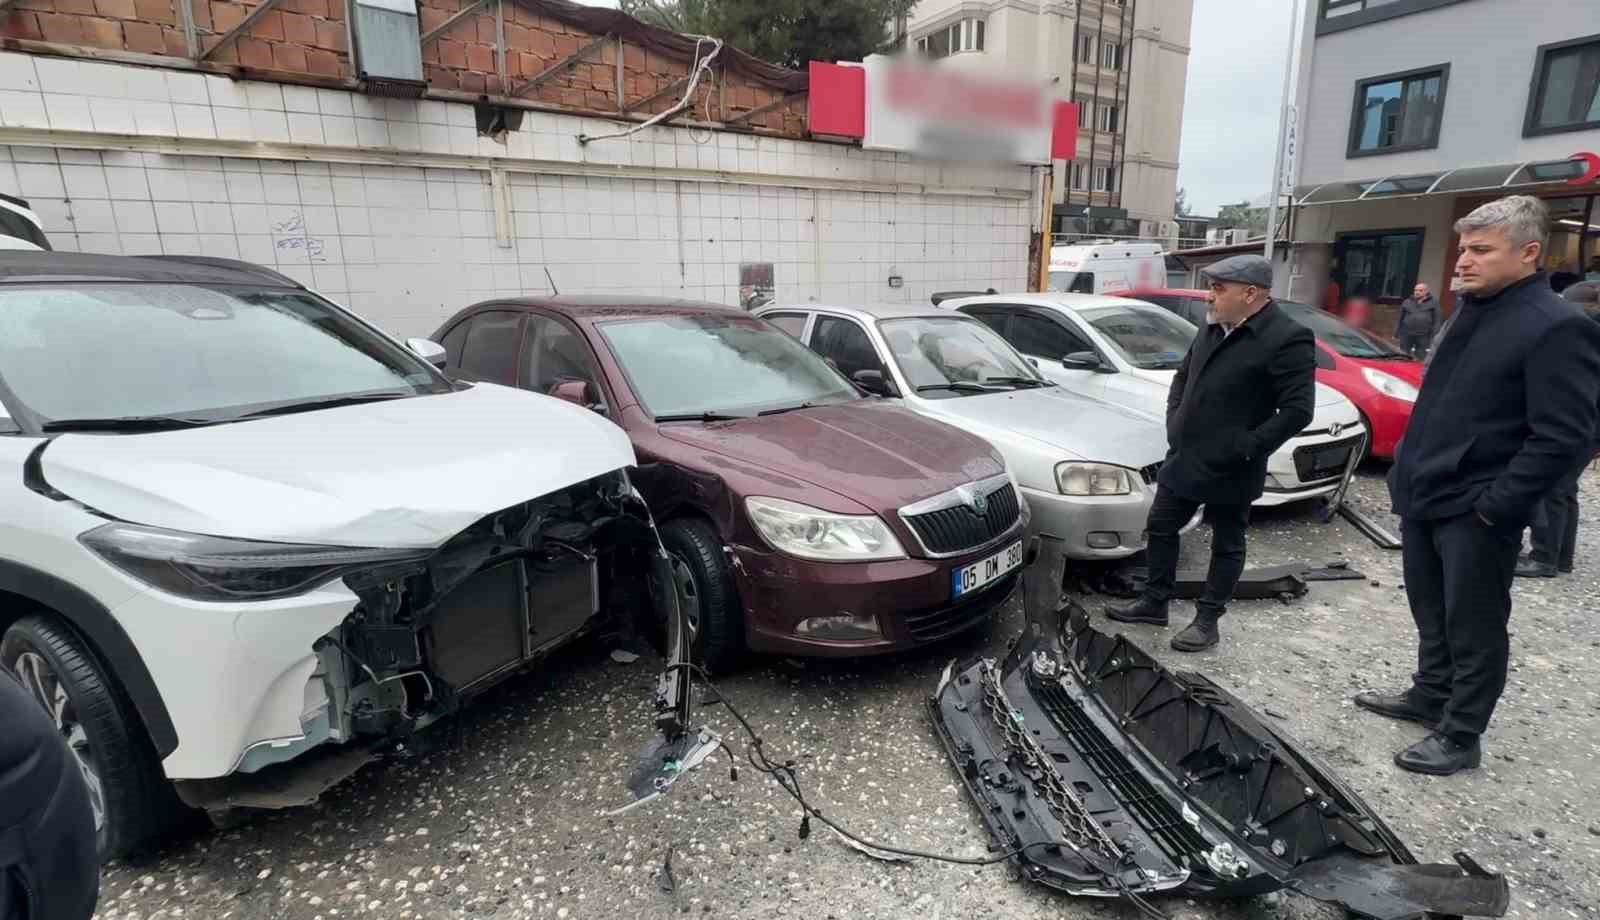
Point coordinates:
[[1458, 579], [1555, 536], [1415, 344], [1168, 514]]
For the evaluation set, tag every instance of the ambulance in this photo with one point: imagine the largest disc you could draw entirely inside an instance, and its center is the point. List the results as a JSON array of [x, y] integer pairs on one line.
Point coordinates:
[[1107, 267]]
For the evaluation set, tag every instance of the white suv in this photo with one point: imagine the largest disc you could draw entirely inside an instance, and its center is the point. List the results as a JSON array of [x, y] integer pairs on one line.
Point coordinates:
[[246, 532]]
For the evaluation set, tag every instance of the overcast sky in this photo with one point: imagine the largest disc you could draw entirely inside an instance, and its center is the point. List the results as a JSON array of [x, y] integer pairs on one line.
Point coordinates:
[[1230, 110]]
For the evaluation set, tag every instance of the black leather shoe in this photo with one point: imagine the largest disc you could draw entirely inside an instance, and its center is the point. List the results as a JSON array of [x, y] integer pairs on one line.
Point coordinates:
[[1438, 755], [1398, 706], [1564, 569], [1142, 610], [1532, 569], [1198, 635]]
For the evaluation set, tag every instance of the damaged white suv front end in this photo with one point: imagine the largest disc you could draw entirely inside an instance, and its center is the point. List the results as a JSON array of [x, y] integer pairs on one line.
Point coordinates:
[[252, 539]]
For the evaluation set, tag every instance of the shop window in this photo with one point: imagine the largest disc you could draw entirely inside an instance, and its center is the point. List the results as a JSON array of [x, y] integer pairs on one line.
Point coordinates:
[[1398, 111], [1566, 88]]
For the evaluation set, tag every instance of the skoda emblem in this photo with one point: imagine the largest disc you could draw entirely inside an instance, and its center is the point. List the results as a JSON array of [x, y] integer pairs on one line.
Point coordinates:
[[979, 504]]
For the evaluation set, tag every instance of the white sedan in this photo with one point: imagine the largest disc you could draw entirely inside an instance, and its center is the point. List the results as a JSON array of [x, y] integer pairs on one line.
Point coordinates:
[[1126, 352]]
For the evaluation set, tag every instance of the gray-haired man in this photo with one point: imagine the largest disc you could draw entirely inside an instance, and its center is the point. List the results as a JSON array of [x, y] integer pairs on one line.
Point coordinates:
[[1507, 408]]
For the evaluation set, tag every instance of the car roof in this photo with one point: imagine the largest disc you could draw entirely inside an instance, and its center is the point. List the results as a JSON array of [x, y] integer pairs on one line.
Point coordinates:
[[1170, 292], [599, 306], [1050, 299], [24, 267], [866, 311]]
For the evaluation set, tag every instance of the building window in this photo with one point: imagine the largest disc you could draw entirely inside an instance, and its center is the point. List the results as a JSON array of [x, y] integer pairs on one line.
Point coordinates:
[[1111, 56], [1110, 117], [1085, 111], [1105, 178], [1086, 49], [966, 35], [1566, 88], [1381, 265], [1398, 111], [1080, 177], [1333, 9]]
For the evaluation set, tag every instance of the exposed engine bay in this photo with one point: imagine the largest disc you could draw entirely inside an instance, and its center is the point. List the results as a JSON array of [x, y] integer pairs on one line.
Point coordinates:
[[1109, 776]]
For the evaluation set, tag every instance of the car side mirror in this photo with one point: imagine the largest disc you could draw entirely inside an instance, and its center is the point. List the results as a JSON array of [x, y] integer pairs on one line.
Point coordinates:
[[1032, 361], [429, 351], [580, 393], [872, 382], [1084, 361]]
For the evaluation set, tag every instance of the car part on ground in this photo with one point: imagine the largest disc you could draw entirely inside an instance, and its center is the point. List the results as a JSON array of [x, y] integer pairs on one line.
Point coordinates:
[[1108, 774], [1280, 582], [1369, 527]]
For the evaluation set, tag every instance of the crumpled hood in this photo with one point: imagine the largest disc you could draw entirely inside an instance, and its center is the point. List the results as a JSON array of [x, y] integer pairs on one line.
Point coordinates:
[[1077, 426], [401, 473], [879, 455]]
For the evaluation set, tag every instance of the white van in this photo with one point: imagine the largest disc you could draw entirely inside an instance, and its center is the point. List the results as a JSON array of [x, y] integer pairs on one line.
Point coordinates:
[[20, 227], [1107, 267]]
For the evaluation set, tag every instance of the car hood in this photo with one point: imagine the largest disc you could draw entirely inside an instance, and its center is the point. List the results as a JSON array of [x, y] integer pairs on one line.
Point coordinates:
[[878, 455], [1327, 397], [401, 473], [1060, 421]]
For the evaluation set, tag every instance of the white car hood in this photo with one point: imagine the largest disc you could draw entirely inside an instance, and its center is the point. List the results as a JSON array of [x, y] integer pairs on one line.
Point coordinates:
[[1329, 406], [401, 473], [1070, 423]]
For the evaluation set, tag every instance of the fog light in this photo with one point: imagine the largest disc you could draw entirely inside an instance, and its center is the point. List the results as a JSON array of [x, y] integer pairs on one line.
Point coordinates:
[[1274, 482], [1104, 539], [843, 626]]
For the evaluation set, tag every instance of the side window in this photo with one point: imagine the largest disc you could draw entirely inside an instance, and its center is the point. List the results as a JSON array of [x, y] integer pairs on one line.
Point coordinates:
[[845, 344], [555, 355], [792, 323], [490, 350], [1044, 338], [989, 316], [1169, 302], [1194, 310], [453, 341]]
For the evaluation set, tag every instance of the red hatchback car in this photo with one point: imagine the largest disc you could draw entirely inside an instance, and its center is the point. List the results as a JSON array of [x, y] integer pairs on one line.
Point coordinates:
[[1378, 377], [801, 517]]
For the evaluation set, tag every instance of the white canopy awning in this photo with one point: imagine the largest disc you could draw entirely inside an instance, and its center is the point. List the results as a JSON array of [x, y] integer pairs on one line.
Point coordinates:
[[1448, 182]]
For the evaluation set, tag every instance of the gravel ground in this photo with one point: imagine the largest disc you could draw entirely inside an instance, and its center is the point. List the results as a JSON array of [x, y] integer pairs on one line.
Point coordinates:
[[504, 818]]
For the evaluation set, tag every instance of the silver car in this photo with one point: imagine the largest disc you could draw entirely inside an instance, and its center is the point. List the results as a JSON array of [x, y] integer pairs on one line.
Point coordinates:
[[1086, 467]]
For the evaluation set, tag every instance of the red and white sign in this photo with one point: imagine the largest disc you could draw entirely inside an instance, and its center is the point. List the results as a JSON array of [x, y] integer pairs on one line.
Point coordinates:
[[1591, 168], [912, 106]]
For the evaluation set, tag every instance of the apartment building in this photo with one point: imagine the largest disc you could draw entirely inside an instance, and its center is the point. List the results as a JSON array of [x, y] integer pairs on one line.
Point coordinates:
[[1125, 62], [1413, 112]]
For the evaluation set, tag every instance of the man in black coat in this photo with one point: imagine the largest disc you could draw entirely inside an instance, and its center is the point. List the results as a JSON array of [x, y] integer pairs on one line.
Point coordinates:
[[1507, 408], [1419, 321], [1246, 385], [49, 859]]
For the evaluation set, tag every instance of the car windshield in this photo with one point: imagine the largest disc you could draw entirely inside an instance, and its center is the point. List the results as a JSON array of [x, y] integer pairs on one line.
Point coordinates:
[[1147, 337], [688, 366], [954, 356], [1342, 337], [200, 354]]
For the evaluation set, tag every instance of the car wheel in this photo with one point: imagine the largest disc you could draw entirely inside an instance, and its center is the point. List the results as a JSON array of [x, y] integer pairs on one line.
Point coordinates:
[[133, 803], [706, 593]]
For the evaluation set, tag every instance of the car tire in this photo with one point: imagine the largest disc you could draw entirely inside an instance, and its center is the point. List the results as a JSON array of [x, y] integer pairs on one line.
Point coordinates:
[[704, 580], [135, 805]]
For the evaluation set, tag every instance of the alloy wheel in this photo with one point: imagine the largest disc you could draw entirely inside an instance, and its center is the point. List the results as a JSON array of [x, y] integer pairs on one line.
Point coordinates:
[[39, 679]]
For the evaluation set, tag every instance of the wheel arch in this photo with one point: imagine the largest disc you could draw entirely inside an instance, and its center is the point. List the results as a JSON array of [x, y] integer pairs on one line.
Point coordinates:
[[33, 591]]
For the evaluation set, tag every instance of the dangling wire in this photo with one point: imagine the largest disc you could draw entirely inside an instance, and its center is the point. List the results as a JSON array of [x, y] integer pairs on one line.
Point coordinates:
[[698, 68]]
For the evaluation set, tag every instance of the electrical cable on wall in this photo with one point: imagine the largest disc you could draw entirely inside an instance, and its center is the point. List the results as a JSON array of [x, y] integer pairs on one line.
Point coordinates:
[[697, 69]]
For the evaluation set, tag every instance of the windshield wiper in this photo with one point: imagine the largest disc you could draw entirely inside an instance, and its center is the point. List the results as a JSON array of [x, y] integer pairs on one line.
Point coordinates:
[[805, 405], [332, 402], [702, 417], [132, 423], [960, 386], [1027, 383]]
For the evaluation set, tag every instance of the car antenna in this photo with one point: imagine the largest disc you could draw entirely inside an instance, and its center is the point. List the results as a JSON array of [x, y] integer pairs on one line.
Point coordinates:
[[552, 281]]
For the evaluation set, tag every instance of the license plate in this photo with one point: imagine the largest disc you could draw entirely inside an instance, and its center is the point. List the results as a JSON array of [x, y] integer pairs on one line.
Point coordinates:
[[1329, 460], [968, 579]]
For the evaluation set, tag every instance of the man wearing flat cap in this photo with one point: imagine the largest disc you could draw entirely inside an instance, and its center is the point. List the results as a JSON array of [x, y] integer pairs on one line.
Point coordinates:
[[1245, 387]]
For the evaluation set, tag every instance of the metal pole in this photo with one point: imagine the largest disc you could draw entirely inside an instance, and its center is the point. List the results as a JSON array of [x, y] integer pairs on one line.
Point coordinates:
[[1283, 128]]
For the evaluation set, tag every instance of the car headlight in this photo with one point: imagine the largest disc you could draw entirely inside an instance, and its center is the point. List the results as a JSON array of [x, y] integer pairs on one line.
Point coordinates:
[[1389, 384], [218, 569], [811, 533], [1093, 479]]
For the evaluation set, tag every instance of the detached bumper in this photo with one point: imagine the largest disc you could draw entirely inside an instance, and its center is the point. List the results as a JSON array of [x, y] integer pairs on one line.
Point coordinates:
[[1092, 527]]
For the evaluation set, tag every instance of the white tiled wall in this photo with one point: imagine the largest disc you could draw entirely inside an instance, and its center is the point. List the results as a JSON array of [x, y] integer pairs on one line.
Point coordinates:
[[408, 245]]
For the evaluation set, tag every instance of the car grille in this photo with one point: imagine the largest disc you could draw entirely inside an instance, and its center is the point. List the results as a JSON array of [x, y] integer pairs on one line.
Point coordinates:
[[1155, 814], [927, 625], [1149, 473], [959, 528], [1306, 464]]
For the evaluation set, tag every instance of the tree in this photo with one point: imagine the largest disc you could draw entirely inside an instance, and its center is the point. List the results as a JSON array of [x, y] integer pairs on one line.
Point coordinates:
[[787, 32], [1242, 215], [1180, 204]]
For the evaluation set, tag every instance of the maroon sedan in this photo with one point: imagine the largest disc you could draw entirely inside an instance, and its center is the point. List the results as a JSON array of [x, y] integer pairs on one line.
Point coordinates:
[[802, 517]]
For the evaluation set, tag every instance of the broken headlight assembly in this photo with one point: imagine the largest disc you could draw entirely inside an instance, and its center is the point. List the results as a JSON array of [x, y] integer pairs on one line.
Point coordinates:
[[822, 536], [205, 568], [1081, 479]]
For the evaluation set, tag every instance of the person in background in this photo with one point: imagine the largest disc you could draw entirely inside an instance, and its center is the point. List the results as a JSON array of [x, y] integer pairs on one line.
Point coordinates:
[[1245, 386], [1554, 535], [49, 853], [1358, 311], [1419, 321], [1331, 295], [1507, 409]]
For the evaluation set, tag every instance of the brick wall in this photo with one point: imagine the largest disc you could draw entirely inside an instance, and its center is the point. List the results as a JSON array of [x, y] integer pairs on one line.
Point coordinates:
[[307, 38]]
